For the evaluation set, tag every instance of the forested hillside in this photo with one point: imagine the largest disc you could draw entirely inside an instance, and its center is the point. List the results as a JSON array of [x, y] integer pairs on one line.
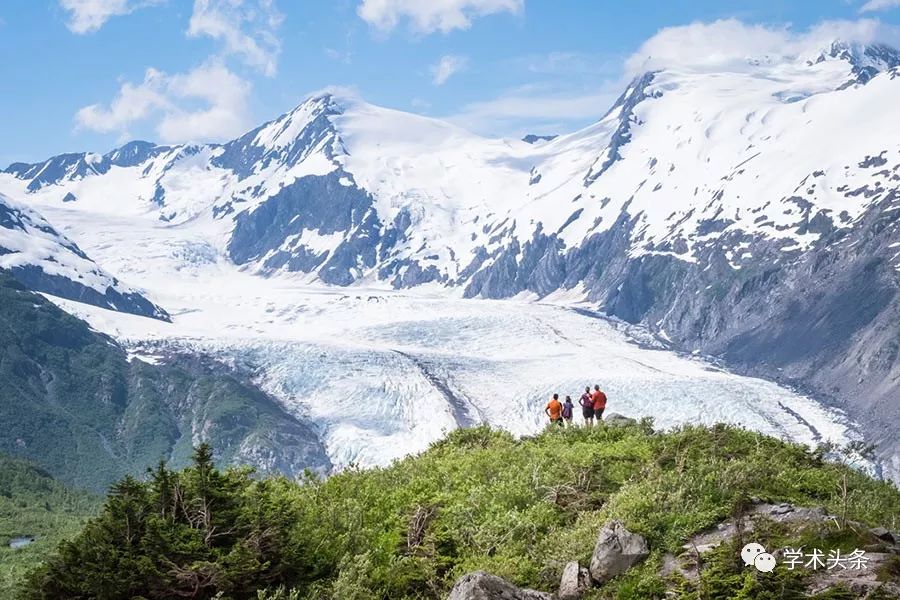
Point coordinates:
[[73, 402], [34, 505], [478, 500]]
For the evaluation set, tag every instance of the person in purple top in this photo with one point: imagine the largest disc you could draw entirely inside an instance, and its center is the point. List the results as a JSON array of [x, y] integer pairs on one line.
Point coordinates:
[[587, 407], [568, 409]]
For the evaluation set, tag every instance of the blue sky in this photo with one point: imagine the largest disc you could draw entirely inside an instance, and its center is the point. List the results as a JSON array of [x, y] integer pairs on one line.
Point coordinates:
[[91, 74]]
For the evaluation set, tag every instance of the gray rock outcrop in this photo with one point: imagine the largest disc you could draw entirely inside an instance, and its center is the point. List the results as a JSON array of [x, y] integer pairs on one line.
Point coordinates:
[[617, 550], [484, 586], [617, 420], [575, 581]]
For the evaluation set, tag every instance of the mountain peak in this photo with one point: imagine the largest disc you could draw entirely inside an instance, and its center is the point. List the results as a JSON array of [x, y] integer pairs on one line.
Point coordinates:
[[866, 60], [336, 99]]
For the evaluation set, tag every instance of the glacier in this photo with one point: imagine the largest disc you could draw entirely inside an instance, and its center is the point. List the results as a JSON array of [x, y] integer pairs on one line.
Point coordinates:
[[381, 373]]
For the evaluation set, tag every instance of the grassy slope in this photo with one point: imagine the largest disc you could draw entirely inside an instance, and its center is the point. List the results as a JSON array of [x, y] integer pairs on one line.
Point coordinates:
[[521, 509], [33, 503]]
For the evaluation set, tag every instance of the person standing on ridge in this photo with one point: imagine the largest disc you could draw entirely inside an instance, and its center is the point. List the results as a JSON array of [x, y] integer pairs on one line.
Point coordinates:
[[567, 410], [599, 400], [587, 407], [554, 410]]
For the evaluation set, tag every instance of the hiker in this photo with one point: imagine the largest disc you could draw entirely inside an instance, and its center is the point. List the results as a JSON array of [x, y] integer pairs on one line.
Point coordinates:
[[567, 410], [599, 400], [587, 407], [554, 411]]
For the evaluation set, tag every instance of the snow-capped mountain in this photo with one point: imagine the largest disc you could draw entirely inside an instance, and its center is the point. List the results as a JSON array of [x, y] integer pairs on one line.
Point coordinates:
[[46, 261], [747, 212], [347, 191]]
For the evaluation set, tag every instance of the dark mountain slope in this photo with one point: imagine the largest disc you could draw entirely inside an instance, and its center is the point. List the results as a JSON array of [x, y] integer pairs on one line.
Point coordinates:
[[73, 402]]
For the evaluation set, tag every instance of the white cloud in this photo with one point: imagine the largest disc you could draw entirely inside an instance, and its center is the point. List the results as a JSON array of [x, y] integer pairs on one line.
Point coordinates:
[[862, 31], [87, 16], [876, 5], [208, 103], [428, 16], [344, 57], [535, 109], [247, 29], [132, 103], [445, 68], [224, 115], [730, 43], [574, 63]]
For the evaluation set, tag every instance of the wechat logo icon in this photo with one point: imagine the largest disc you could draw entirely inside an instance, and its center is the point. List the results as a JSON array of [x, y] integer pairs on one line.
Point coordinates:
[[756, 555]]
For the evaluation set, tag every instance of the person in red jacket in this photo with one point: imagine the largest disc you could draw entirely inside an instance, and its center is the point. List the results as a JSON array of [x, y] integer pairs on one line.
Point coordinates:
[[587, 407], [599, 400]]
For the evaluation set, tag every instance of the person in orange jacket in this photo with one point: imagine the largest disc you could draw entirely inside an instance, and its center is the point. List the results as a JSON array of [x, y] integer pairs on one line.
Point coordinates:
[[554, 410], [599, 399]]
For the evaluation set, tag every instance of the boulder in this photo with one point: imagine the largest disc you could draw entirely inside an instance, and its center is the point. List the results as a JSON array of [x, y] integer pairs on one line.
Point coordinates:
[[617, 550], [484, 586], [885, 535], [575, 581], [617, 420], [862, 583]]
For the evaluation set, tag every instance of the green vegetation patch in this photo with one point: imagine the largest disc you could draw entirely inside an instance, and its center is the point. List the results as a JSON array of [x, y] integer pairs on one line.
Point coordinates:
[[33, 504], [478, 499]]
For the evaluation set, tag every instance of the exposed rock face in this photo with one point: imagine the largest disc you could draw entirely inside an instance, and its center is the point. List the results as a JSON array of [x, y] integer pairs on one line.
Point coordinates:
[[575, 581], [35, 278], [780, 513], [272, 234], [43, 260], [837, 341], [886, 536], [78, 165], [617, 550], [862, 583], [484, 586], [328, 226]]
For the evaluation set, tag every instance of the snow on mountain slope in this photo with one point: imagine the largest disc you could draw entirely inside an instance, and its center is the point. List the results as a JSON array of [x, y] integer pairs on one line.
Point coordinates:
[[43, 260], [738, 148], [747, 212]]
